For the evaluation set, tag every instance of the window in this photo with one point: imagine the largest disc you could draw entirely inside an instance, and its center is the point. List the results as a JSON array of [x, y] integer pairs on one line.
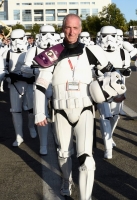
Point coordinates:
[[2, 15], [62, 11], [38, 12], [73, 11], [94, 11], [85, 13], [38, 3], [62, 3], [50, 3], [72, 3], [50, 18], [85, 3], [26, 15], [60, 18], [17, 4], [26, 4], [28, 26], [16, 14], [50, 11], [38, 18], [93, 3]]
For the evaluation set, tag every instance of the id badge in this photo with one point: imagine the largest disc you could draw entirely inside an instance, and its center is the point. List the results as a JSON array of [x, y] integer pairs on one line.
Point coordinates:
[[73, 85]]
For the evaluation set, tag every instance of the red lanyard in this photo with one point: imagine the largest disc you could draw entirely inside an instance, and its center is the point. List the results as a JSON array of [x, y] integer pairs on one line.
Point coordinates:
[[70, 63]]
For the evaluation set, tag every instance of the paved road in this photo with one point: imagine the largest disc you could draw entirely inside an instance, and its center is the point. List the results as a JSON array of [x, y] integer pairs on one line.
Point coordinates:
[[25, 175]]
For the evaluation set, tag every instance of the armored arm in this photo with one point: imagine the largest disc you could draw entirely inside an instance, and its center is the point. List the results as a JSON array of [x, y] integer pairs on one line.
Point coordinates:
[[106, 87]]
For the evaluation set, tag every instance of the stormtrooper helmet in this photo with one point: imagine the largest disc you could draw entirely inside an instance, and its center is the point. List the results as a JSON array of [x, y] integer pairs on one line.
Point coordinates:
[[47, 36], [18, 40], [120, 38], [84, 37], [108, 38]]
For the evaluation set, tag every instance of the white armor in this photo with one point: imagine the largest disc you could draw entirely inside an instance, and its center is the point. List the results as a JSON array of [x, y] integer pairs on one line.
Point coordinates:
[[61, 37], [98, 38], [109, 111], [85, 38], [18, 84], [31, 67], [73, 110], [120, 38]]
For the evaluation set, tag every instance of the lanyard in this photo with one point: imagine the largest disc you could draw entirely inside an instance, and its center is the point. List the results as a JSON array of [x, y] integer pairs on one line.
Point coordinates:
[[73, 67]]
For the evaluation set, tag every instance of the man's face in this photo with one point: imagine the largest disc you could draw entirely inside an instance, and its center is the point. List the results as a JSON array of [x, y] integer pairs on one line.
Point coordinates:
[[72, 29]]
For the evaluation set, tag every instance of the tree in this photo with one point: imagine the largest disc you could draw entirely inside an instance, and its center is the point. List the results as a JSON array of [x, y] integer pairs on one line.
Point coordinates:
[[92, 24], [111, 15], [18, 26], [35, 29]]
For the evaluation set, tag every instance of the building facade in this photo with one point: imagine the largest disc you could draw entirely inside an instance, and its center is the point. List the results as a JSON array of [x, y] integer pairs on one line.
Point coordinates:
[[29, 12]]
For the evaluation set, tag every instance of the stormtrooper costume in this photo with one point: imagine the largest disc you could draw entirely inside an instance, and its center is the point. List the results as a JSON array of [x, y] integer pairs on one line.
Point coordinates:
[[132, 51], [73, 96], [98, 38], [84, 38], [19, 84], [47, 39], [61, 37], [109, 111]]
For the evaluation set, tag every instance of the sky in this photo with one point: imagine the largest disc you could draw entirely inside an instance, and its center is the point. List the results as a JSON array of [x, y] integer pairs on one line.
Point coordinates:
[[128, 8]]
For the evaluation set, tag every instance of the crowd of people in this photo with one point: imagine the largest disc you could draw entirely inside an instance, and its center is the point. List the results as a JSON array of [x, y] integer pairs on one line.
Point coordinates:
[[66, 75]]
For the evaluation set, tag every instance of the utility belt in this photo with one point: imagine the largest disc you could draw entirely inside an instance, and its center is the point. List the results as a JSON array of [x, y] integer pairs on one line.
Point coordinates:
[[16, 77], [72, 103]]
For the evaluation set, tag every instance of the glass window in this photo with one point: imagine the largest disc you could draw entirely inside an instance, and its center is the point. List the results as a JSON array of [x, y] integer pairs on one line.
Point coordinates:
[[26, 4], [62, 3], [86, 3], [16, 14], [17, 4], [62, 10], [27, 26], [50, 3], [2, 15], [38, 12], [94, 11], [38, 18], [38, 3], [60, 18], [26, 15], [50, 18], [49, 11], [73, 3], [93, 2], [85, 13], [73, 11]]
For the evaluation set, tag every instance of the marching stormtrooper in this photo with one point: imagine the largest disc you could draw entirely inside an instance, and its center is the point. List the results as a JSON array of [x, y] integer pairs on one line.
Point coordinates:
[[132, 51], [18, 84], [73, 94], [84, 38], [98, 38], [109, 111], [47, 38]]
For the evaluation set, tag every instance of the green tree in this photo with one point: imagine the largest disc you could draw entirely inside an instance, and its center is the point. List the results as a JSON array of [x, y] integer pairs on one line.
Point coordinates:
[[18, 26], [111, 15], [92, 24], [35, 29]]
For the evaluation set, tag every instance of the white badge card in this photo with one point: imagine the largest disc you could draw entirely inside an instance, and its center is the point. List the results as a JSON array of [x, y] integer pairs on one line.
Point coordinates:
[[73, 85]]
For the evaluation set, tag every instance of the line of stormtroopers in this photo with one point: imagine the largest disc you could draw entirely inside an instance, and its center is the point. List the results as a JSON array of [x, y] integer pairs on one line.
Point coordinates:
[[119, 54], [20, 81]]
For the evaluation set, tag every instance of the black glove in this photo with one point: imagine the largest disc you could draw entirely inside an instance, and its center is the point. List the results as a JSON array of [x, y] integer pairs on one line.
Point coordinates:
[[127, 72]]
